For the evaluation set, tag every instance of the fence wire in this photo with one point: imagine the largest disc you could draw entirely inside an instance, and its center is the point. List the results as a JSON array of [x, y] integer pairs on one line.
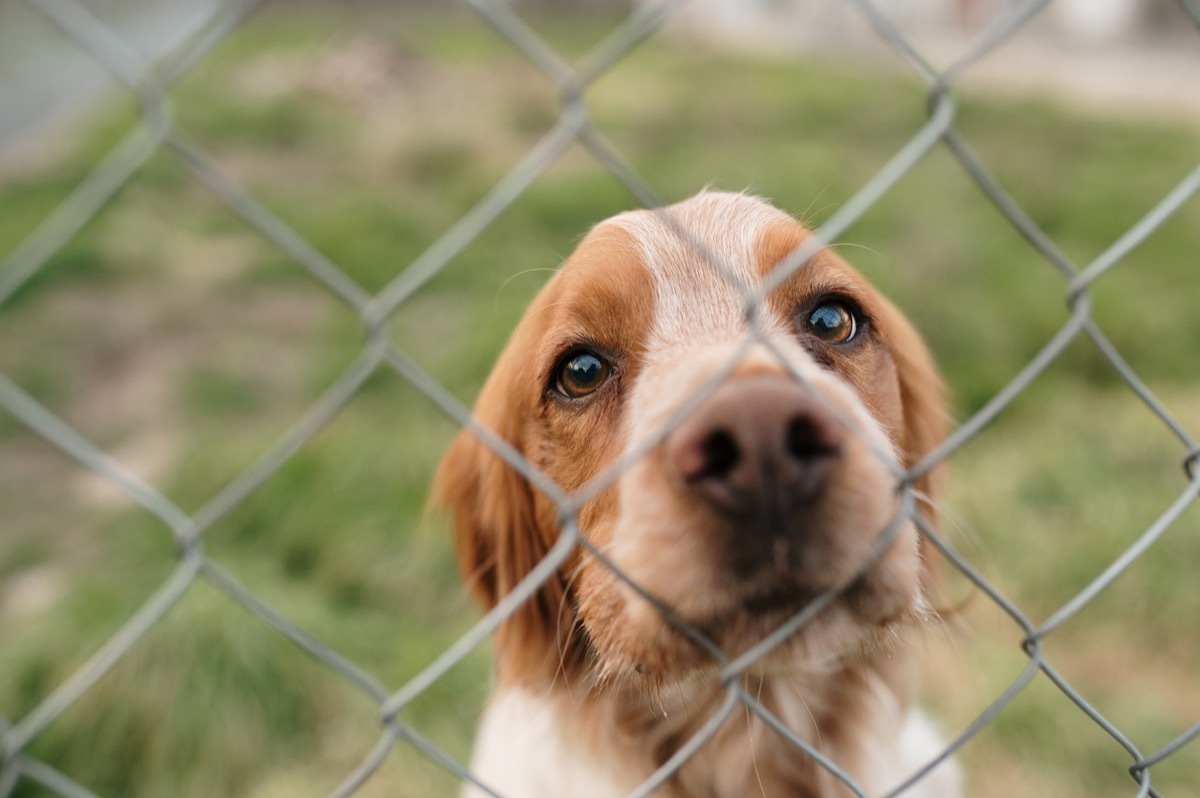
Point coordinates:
[[158, 132]]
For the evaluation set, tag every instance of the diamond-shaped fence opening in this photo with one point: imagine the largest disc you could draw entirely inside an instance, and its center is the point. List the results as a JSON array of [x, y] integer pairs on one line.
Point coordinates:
[[319, 225]]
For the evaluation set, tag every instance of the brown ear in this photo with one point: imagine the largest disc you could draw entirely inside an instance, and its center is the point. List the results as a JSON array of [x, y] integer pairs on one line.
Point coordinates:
[[926, 420], [499, 538], [460, 487]]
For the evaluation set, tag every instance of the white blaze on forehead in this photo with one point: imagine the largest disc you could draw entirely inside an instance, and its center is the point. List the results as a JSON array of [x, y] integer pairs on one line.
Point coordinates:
[[702, 256]]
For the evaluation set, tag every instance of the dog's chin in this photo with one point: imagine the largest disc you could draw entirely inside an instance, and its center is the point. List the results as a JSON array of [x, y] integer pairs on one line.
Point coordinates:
[[814, 626], [818, 627]]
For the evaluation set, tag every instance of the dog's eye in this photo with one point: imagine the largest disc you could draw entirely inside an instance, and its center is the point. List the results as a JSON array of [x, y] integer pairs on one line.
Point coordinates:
[[581, 373], [833, 322]]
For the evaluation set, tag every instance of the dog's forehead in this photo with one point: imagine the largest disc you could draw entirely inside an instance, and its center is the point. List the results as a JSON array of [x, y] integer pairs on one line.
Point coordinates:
[[663, 280], [703, 257]]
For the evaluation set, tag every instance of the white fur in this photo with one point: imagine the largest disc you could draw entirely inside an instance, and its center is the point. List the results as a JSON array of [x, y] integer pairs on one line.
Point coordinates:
[[526, 749]]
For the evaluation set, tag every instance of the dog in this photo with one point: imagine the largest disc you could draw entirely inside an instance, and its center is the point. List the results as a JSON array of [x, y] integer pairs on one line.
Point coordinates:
[[738, 459]]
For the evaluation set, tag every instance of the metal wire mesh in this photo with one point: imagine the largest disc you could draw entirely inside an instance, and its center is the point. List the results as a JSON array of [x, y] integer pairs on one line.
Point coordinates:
[[158, 132]]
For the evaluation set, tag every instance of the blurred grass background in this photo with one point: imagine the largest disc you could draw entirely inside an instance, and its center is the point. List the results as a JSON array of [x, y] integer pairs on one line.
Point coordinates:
[[175, 337]]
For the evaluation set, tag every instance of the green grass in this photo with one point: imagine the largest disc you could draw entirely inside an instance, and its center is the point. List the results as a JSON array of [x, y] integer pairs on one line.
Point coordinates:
[[170, 334]]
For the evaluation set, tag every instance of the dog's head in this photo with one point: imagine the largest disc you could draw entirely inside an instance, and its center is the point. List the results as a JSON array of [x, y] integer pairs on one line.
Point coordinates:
[[762, 448]]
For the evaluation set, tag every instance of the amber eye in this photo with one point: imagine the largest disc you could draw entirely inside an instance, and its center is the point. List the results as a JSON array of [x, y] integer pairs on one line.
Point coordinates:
[[833, 322], [581, 373]]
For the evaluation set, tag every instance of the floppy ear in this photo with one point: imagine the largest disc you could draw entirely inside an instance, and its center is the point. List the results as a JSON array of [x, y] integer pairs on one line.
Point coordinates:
[[923, 397], [499, 538], [923, 404], [488, 504]]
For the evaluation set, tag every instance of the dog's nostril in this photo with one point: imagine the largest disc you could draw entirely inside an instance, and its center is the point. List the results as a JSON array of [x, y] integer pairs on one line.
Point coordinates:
[[808, 438], [713, 456], [721, 454]]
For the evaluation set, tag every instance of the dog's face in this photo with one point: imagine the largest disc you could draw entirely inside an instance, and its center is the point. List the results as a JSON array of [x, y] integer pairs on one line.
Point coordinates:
[[758, 469]]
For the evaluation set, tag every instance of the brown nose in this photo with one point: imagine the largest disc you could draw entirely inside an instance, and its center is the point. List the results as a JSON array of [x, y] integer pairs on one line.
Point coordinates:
[[758, 449]]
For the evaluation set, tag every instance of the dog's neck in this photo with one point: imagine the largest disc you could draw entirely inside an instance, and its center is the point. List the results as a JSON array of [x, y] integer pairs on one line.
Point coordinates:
[[848, 712]]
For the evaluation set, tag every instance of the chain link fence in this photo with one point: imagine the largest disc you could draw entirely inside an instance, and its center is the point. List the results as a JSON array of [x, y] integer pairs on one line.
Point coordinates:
[[158, 132]]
